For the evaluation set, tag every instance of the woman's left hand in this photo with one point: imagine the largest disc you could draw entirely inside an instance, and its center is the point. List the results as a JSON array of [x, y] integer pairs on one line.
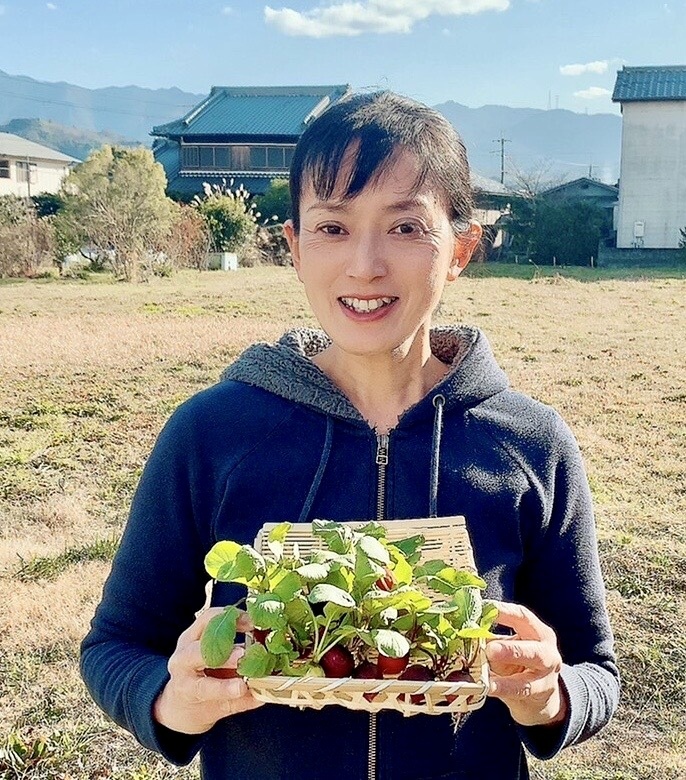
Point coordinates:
[[525, 668]]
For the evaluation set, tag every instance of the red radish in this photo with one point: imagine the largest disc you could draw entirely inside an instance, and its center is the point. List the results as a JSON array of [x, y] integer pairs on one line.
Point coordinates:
[[367, 671], [387, 581], [389, 667], [420, 673], [222, 673], [457, 675], [337, 662], [260, 635]]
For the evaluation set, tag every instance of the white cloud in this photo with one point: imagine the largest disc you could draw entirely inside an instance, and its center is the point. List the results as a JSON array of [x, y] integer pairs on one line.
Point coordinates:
[[593, 93], [227, 10], [597, 66], [2, 10], [51, 6], [372, 16]]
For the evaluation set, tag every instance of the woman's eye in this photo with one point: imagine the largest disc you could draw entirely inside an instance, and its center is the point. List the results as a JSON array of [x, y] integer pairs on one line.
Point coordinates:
[[407, 229], [331, 230]]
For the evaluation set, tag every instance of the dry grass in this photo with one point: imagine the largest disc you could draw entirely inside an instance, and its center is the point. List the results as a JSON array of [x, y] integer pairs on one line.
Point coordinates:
[[89, 372]]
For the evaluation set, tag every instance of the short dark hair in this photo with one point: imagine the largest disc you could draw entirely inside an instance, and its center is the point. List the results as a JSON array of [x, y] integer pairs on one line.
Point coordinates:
[[380, 124]]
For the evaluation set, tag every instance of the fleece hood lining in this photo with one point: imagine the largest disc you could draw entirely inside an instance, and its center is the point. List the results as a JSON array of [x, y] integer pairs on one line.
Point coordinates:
[[286, 370]]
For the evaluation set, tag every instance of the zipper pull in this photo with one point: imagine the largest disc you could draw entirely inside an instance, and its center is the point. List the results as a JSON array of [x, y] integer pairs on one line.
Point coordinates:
[[382, 449]]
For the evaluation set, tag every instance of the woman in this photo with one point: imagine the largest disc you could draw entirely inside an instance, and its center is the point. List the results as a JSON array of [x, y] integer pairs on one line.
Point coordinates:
[[377, 416]]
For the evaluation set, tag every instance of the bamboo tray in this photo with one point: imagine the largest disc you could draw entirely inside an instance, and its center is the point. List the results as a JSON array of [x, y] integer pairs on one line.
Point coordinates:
[[447, 539]]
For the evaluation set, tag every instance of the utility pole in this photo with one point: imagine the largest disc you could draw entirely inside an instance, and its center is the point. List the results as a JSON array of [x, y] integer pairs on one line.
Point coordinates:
[[502, 141]]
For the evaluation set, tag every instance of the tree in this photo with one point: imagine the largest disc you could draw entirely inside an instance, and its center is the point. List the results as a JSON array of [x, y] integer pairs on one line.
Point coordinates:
[[230, 215], [26, 241], [116, 201], [276, 201], [563, 232]]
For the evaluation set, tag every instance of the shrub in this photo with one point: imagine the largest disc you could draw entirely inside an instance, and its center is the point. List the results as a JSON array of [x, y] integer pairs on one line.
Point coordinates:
[[26, 242], [186, 244], [230, 215], [275, 204]]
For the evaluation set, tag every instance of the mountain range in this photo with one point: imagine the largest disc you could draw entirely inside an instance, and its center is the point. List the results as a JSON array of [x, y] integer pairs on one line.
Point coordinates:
[[550, 145]]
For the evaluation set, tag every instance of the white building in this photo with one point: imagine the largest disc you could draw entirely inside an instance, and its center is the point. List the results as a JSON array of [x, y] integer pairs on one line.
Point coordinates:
[[652, 184], [28, 168]]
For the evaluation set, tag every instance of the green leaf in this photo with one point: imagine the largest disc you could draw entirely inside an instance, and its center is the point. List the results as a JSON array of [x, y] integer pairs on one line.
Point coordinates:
[[303, 670], [489, 614], [314, 572], [222, 554], [411, 546], [429, 568], [474, 631], [367, 572], [390, 643], [298, 613], [277, 643], [402, 571], [267, 611], [287, 586], [326, 592], [257, 662], [374, 550], [276, 538], [279, 532], [341, 578], [372, 529], [336, 536], [219, 637], [247, 564]]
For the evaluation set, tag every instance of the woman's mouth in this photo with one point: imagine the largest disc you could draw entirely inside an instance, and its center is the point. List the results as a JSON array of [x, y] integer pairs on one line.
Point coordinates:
[[366, 305]]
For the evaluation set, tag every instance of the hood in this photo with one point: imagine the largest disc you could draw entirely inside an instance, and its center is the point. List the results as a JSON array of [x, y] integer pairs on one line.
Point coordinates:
[[286, 370]]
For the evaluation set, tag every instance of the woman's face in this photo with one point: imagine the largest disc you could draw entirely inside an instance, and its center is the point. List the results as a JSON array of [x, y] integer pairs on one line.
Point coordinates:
[[374, 266]]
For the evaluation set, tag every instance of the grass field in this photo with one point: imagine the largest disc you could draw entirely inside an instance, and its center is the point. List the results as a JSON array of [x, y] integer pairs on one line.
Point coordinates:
[[90, 370]]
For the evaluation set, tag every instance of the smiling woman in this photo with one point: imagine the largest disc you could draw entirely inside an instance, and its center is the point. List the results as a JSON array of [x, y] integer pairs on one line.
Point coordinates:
[[376, 416]]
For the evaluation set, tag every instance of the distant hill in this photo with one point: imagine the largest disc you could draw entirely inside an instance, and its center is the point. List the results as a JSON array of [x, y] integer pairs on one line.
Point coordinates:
[[563, 143], [68, 140], [558, 143], [126, 111]]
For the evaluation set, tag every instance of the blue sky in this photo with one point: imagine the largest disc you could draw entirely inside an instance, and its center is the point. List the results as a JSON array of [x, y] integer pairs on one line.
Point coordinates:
[[536, 53]]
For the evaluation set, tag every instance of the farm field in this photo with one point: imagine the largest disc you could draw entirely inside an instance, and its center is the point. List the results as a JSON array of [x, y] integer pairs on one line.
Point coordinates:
[[90, 370]]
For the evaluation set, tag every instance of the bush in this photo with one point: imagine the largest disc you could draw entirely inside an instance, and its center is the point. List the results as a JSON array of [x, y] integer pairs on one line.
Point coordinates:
[[275, 204], [26, 242], [230, 216], [187, 243]]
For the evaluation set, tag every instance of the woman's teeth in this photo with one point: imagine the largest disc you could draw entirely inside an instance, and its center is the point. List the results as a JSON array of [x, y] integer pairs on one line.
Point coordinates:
[[365, 305]]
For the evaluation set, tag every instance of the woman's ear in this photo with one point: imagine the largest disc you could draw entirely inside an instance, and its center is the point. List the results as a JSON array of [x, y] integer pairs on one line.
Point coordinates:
[[465, 246], [292, 241]]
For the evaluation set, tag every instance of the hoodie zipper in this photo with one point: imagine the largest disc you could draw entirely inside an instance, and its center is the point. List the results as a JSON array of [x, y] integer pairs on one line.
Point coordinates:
[[381, 463]]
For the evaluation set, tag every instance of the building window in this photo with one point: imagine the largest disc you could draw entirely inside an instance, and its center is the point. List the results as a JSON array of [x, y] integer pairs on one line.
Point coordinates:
[[236, 158], [26, 172], [190, 157], [4, 169]]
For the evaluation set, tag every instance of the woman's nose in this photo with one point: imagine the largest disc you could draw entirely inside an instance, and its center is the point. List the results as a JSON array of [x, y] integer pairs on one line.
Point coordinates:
[[367, 258]]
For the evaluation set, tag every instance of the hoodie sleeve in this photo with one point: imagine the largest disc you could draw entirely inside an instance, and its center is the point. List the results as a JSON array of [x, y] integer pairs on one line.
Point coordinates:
[[562, 583], [156, 585]]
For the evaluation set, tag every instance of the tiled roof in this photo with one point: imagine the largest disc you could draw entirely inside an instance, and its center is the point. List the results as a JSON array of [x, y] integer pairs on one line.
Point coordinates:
[[488, 186], [254, 111], [650, 83], [15, 146]]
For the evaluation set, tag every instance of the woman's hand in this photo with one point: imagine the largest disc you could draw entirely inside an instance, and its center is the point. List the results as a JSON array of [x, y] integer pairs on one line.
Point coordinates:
[[191, 702], [525, 668]]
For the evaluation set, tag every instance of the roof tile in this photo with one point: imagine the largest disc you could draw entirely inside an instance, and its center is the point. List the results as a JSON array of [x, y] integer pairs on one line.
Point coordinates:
[[650, 83]]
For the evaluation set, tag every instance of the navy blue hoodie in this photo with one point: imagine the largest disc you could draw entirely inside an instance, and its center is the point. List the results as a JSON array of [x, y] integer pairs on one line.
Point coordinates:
[[276, 440]]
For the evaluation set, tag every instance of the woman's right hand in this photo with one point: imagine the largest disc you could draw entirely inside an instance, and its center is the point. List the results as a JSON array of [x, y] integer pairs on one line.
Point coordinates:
[[191, 702]]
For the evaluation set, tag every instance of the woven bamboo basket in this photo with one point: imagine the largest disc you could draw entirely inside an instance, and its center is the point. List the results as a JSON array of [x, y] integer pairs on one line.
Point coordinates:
[[446, 539]]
